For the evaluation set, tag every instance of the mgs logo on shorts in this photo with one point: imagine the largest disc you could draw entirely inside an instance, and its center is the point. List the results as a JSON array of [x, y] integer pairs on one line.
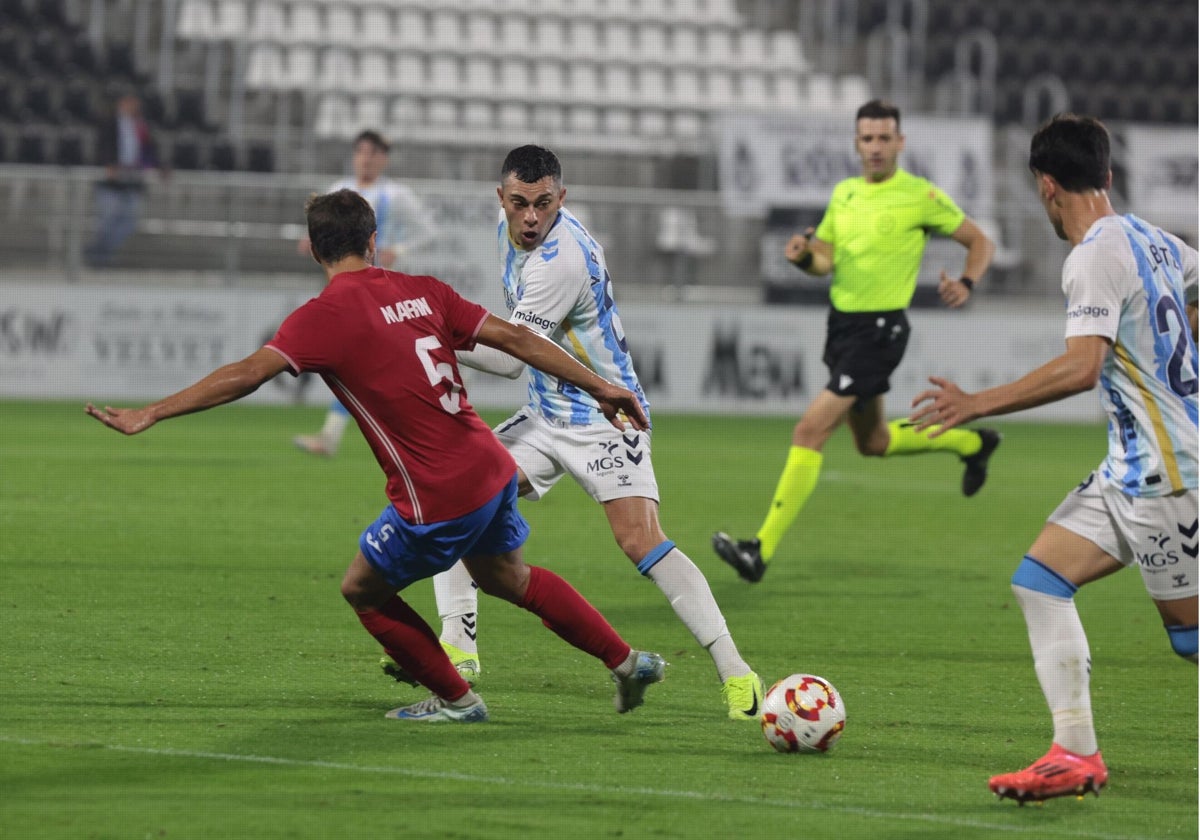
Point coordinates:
[[617, 457], [607, 463]]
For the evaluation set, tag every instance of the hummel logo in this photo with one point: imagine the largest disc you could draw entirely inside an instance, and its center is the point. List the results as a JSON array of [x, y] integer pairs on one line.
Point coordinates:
[[635, 457], [845, 382], [631, 443], [1180, 581], [1189, 532]]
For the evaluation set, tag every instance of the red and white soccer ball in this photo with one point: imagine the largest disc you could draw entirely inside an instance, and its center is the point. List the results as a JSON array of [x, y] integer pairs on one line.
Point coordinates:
[[803, 713]]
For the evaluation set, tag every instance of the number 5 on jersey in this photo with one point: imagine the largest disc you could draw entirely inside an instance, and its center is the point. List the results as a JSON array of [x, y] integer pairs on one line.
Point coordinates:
[[439, 372]]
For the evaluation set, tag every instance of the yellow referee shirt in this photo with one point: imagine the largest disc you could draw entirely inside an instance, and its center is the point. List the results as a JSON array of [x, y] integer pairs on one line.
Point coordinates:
[[878, 233]]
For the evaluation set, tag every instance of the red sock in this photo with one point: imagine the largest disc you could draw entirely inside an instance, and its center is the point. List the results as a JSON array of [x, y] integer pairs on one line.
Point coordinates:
[[415, 647], [569, 614]]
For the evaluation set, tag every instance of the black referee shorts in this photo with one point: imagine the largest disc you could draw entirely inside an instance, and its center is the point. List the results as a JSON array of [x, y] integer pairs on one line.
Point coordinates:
[[862, 349]]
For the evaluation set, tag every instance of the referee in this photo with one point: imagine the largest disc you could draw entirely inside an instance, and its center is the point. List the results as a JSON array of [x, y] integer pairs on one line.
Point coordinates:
[[872, 239]]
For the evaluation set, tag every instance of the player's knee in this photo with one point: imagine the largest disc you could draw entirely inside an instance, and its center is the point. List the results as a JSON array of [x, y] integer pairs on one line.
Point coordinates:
[[874, 446], [1032, 575], [1183, 640]]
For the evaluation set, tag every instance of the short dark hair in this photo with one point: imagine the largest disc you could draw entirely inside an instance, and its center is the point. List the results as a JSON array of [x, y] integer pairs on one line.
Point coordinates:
[[340, 225], [374, 138], [1074, 150], [531, 164], [878, 109]]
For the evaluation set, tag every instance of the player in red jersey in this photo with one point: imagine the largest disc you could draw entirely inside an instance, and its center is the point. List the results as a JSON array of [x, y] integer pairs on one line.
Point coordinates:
[[384, 342]]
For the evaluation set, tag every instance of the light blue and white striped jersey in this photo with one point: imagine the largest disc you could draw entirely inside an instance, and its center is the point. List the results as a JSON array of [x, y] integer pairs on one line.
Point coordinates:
[[1130, 282], [400, 220], [562, 290]]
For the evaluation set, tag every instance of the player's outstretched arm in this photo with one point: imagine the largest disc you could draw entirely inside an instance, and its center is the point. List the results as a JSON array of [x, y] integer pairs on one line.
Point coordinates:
[[537, 351], [225, 384], [1078, 370], [490, 360]]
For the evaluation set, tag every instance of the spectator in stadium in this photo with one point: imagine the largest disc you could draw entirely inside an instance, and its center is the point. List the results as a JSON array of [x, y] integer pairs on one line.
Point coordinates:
[[556, 283], [1131, 292], [126, 148], [452, 488], [872, 238], [404, 227]]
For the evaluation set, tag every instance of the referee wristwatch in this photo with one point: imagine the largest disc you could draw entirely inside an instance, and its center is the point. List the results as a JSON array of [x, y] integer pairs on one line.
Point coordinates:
[[968, 282]]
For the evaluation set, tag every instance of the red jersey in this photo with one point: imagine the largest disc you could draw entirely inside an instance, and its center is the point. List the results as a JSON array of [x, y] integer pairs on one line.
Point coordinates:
[[384, 342]]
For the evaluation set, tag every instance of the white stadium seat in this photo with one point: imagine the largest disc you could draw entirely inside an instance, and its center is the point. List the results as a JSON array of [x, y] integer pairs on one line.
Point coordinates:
[[338, 69], [789, 91], [480, 76], [442, 112], [375, 72], [720, 89], [302, 65], [335, 115], [786, 51], [752, 49], [411, 30], [370, 113], [652, 87], [376, 27], [409, 73], [265, 69], [341, 25], [446, 31], [686, 88], [197, 19], [268, 22], [617, 86], [233, 19], [478, 113], [445, 74], [310, 23], [820, 91]]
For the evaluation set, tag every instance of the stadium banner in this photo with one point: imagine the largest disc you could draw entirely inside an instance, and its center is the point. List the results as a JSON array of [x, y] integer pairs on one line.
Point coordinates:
[[1161, 170], [116, 343], [794, 159]]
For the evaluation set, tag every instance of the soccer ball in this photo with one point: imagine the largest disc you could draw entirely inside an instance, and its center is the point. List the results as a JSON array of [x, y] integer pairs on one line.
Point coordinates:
[[803, 713]]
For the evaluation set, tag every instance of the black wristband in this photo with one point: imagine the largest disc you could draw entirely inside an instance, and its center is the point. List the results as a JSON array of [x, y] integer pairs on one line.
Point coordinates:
[[967, 281], [805, 261]]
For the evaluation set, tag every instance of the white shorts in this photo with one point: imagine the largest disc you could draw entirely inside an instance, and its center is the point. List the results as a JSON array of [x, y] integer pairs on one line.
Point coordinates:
[[605, 462], [1158, 533]]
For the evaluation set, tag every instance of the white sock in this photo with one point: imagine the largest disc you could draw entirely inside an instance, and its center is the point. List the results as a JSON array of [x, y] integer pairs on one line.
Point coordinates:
[[457, 604], [687, 590], [335, 426], [1064, 666]]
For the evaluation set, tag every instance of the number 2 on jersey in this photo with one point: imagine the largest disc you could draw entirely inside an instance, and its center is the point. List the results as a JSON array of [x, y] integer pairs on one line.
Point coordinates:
[[1175, 365], [439, 372]]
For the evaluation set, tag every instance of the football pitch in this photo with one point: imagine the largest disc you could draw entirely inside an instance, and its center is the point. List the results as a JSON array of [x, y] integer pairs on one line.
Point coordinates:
[[178, 662]]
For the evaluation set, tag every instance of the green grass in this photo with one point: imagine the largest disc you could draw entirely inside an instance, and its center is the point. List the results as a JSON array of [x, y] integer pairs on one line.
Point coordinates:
[[177, 661]]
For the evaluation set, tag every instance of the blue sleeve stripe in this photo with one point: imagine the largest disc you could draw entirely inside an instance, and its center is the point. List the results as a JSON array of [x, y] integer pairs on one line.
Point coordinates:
[[1033, 575], [657, 553]]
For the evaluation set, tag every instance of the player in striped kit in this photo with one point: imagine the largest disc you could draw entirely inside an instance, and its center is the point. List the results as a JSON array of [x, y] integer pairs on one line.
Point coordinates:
[[1131, 294], [556, 283], [404, 226]]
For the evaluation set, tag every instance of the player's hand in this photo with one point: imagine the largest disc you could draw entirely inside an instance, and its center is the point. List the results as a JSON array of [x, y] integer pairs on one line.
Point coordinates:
[[797, 246], [953, 292], [620, 406], [127, 421], [946, 405]]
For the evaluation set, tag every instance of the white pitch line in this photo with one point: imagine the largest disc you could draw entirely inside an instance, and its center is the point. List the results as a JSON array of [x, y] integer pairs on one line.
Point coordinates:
[[581, 787]]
